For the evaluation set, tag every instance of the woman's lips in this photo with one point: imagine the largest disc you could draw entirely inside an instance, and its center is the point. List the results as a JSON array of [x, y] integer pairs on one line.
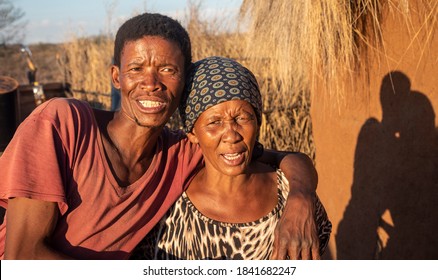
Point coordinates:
[[234, 158]]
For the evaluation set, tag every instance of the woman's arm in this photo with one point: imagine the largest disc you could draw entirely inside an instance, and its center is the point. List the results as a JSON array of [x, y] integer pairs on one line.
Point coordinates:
[[296, 234], [30, 224]]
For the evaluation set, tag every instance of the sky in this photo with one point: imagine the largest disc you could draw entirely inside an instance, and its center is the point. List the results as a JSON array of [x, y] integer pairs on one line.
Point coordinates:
[[55, 21]]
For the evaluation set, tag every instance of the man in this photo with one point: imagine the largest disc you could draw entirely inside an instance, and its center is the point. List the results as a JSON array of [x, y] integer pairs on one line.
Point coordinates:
[[89, 184]]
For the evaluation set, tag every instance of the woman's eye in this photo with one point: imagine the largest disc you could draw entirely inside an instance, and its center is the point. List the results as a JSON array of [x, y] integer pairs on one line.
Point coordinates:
[[214, 122], [243, 119]]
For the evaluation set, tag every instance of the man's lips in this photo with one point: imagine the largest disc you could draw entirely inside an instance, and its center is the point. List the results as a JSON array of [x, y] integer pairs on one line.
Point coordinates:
[[151, 104]]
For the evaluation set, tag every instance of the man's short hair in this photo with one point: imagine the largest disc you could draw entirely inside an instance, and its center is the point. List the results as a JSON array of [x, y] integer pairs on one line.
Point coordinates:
[[153, 24]]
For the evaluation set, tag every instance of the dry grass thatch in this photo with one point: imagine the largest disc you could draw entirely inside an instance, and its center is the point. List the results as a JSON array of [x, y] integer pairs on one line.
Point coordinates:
[[296, 45], [86, 63], [286, 124], [289, 45], [300, 42]]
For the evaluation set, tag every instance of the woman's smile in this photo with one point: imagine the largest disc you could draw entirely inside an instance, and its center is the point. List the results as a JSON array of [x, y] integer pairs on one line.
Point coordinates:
[[234, 158]]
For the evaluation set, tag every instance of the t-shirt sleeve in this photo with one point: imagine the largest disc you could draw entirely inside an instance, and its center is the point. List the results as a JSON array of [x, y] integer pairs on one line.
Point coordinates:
[[34, 163], [190, 159]]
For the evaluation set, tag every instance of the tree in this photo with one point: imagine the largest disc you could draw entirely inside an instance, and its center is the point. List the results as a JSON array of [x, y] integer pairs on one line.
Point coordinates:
[[11, 24]]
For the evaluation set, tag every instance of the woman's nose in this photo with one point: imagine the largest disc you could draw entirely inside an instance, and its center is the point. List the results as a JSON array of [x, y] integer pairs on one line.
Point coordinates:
[[231, 133]]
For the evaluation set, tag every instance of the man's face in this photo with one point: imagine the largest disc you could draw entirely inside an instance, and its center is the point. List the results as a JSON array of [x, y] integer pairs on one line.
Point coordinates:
[[150, 79]]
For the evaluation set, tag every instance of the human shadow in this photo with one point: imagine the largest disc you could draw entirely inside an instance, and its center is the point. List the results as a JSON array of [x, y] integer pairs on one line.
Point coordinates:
[[392, 213]]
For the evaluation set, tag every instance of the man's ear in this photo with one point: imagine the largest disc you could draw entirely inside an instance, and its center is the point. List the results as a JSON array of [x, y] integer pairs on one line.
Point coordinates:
[[115, 76], [192, 137]]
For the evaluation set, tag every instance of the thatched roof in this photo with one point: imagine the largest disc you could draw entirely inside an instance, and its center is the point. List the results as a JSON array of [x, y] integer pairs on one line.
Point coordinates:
[[299, 42]]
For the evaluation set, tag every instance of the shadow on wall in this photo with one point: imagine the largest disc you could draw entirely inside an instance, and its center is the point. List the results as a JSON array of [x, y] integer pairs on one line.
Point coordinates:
[[392, 213]]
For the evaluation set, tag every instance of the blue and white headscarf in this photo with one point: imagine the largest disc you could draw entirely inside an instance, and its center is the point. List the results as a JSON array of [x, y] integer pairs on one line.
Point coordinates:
[[214, 80]]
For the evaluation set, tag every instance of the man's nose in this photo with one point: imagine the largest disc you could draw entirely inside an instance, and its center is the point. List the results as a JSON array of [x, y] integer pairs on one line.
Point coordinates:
[[151, 82]]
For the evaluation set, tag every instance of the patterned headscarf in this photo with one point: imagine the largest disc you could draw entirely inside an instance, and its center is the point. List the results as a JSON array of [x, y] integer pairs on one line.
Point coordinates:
[[214, 80]]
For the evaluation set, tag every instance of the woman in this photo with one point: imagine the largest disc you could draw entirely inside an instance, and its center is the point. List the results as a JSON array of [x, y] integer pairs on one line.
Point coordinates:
[[231, 207]]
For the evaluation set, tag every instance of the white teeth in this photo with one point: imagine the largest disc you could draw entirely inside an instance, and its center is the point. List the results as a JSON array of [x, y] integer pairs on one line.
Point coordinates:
[[232, 156], [150, 104]]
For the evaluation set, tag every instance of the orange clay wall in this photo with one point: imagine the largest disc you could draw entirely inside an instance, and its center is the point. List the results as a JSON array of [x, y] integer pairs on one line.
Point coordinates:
[[377, 155]]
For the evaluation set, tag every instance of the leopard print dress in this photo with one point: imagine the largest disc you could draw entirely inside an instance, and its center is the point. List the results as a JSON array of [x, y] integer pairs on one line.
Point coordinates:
[[185, 233]]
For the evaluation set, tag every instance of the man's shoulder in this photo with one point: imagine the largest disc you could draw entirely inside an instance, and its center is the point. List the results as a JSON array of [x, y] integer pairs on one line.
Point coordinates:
[[64, 102], [60, 107]]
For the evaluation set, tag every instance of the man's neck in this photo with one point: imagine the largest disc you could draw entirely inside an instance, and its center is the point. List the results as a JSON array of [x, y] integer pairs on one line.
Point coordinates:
[[129, 148]]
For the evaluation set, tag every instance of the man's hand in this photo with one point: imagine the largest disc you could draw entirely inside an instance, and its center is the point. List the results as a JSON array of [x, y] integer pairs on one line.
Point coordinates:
[[296, 235]]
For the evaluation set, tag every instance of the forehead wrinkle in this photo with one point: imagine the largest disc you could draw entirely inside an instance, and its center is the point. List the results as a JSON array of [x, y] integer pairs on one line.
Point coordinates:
[[229, 110], [151, 54]]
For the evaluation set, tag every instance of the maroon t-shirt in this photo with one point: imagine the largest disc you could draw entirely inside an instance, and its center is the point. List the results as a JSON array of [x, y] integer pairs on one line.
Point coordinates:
[[57, 155]]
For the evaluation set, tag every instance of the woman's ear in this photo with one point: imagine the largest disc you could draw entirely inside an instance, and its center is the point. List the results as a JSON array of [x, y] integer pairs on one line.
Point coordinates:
[[192, 137], [115, 76]]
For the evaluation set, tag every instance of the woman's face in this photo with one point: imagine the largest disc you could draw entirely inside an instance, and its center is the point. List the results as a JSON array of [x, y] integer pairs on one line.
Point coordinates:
[[226, 134], [151, 80]]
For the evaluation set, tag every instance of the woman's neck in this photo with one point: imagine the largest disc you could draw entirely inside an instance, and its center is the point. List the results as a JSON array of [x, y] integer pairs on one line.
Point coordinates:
[[218, 182], [235, 199]]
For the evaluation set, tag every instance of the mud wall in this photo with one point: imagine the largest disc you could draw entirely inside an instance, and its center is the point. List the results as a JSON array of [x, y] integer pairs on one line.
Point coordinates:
[[377, 154]]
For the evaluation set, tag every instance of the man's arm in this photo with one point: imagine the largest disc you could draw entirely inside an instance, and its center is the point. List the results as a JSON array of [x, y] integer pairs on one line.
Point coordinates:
[[30, 224], [296, 234]]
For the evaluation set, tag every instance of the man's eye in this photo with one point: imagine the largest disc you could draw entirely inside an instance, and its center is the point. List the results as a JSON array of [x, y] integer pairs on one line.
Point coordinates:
[[168, 70]]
